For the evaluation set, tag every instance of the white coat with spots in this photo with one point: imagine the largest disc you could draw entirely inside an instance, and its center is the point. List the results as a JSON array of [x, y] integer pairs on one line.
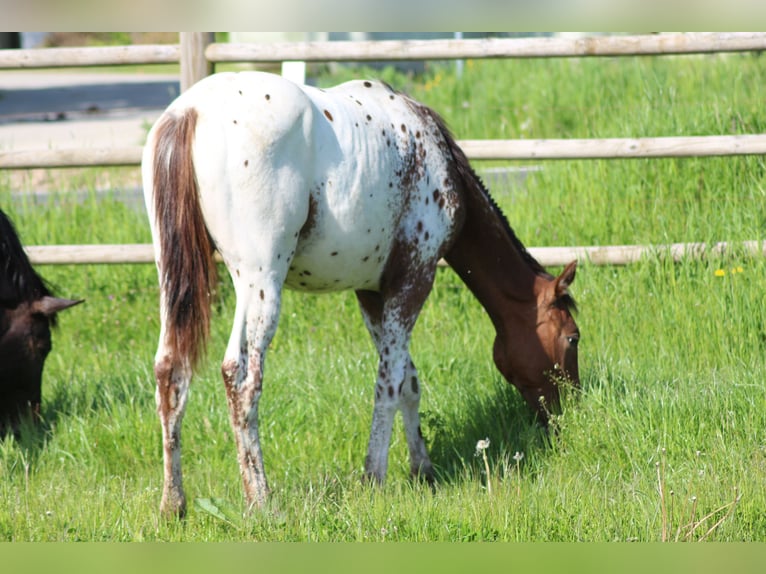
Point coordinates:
[[319, 190], [354, 187]]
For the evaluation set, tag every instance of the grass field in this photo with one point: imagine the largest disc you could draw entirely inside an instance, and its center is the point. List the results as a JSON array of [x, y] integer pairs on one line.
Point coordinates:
[[666, 440]]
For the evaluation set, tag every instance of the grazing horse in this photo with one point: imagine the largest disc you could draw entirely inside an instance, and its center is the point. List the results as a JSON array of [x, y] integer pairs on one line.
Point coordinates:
[[27, 313], [354, 187]]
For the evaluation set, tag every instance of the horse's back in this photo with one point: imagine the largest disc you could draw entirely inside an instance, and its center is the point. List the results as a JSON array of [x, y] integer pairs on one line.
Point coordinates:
[[328, 180]]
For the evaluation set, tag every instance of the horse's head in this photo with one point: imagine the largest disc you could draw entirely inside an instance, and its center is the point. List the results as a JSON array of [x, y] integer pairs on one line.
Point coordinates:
[[538, 364], [25, 341], [27, 312]]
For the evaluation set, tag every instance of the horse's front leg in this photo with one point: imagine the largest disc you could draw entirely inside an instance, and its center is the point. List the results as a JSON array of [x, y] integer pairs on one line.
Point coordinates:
[[255, 323], [390, 370], [389, 319]]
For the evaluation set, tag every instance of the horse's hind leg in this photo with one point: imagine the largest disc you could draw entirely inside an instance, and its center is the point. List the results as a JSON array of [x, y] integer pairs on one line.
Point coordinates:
[[173, 375], [397, 385], [255, 322]]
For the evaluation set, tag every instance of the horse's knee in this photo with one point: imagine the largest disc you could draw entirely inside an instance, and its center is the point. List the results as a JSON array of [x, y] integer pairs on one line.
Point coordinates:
[[229, 370], [171, 386], [163, 368], [243, 390]]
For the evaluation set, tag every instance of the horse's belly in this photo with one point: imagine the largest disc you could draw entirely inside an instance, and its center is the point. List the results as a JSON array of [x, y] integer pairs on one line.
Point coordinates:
[[330, 264]]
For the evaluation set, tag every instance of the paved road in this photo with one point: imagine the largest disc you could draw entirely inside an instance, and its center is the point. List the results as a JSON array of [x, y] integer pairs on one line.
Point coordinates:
[[59, 110]]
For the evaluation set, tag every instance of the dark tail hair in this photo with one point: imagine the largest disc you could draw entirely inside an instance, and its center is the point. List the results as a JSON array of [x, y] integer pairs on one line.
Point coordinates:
[[187, 269]]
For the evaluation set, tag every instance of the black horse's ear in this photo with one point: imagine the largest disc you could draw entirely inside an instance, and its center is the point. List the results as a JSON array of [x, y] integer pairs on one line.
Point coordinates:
[[51, 305], [566, 278]]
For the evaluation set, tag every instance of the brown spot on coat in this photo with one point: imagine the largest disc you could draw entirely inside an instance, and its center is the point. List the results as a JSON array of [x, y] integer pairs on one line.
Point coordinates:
[[311, 218], [328, 115], [367, 84]]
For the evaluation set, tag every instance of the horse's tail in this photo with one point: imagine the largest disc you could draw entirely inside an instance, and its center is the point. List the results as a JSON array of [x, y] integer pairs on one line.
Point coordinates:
[[185, 263]]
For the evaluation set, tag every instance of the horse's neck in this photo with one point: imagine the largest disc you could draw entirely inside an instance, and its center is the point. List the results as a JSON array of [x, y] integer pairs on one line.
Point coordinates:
[[492, 266]]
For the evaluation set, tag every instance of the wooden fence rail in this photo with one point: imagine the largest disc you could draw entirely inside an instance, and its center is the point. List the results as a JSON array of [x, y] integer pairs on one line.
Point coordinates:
[[547, 256], [552, 149], [348, 51], [641, 45], [91, 56]]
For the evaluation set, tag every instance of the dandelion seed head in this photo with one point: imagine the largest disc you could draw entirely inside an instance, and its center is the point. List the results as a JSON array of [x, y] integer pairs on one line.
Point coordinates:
[[482, 445]]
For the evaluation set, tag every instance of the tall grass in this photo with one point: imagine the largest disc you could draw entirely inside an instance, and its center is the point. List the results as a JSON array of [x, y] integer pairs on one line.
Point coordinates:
[[665, 441]]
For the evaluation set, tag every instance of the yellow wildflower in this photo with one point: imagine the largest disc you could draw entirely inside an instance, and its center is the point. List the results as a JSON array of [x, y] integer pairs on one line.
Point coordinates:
[[720, 272]]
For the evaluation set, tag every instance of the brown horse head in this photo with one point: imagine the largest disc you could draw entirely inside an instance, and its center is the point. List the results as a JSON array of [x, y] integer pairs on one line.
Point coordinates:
[[537, 365], [27, 313]]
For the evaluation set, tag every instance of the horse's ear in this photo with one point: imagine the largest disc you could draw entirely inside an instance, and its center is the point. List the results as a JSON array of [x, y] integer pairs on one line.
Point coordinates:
[[51, 305], [566, 278]]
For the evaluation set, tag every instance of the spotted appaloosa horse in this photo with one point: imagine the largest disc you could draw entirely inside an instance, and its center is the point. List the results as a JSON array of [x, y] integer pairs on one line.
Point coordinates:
[[354, 187], [27, 312]]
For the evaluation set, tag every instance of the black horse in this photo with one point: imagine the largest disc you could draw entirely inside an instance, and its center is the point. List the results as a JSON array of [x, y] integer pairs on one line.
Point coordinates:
[[27, 313]]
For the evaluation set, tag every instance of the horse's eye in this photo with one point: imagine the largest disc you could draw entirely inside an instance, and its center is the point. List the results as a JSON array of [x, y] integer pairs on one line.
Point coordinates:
[[573, 340]]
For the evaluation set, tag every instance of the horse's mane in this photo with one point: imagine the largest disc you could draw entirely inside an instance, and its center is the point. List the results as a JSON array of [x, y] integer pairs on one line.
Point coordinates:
[[19, 282], [475, 186], [479, 192]]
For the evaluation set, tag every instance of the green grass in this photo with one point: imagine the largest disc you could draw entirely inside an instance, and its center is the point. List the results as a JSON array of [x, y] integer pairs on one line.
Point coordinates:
[[672, 355]]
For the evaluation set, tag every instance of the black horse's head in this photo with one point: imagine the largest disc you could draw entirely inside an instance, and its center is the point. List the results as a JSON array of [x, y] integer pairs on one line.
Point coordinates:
[[27, 313]]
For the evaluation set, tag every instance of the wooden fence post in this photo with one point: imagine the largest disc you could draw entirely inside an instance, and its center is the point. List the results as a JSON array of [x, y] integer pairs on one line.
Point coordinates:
[[194, 64]]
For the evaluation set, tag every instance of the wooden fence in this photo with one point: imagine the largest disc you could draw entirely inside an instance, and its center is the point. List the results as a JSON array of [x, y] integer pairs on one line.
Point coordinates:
[[197, 54]]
